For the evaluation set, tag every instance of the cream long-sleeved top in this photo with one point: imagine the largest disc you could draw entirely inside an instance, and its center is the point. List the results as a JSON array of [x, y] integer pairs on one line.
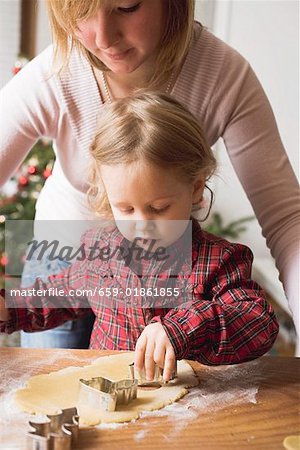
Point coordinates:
[[215, 83]]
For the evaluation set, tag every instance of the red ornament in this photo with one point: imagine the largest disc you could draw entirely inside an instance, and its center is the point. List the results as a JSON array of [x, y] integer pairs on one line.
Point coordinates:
[[4, 260], [15, 70], [23, 181], [32, 170], [19, 64], [47, 173]]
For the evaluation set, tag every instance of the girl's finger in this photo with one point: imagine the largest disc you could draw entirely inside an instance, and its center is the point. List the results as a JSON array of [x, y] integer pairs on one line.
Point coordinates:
[[170, 364], [149, 360], [139, 354], [159, 355]]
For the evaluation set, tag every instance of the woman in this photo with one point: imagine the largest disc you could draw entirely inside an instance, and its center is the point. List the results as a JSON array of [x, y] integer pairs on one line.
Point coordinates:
[[106, 49]]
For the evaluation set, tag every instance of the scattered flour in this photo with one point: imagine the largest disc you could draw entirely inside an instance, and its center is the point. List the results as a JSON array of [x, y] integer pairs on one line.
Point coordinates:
[[225, 386], [111, 426], [140, 435], [13, 422]]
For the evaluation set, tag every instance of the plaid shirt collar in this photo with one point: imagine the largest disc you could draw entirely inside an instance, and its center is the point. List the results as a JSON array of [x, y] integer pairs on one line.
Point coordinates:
[[181, 255]]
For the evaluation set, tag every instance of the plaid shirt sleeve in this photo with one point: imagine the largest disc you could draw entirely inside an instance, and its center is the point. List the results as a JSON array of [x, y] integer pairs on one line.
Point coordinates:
[[228, 321], [32, 313]]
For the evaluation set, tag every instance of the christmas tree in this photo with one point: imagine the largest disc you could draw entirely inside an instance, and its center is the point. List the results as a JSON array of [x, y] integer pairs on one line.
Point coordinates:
[[25, 185]]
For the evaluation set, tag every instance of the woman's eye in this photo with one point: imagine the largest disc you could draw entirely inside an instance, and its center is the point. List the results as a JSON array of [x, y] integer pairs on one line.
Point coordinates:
[[130, 9]]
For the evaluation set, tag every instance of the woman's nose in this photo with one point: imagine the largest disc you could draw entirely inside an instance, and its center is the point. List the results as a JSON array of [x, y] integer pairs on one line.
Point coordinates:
[[106, 30]]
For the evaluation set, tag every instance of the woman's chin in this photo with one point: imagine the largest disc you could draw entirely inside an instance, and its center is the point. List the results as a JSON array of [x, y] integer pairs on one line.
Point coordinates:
[[121, 67]]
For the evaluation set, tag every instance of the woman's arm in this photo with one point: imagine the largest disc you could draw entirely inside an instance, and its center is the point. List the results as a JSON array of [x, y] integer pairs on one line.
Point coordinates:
[[28, 110], [239, 111], [262, 165]]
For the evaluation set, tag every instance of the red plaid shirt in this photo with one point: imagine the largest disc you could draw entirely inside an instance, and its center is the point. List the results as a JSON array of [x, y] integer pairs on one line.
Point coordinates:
[[223, 316]]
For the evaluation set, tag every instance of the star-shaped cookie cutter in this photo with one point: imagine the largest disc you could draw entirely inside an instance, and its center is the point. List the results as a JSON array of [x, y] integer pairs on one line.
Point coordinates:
[[104, 394], [58, 432]]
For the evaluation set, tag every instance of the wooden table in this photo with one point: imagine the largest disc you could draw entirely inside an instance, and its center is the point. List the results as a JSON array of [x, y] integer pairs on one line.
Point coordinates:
[[264, 412]]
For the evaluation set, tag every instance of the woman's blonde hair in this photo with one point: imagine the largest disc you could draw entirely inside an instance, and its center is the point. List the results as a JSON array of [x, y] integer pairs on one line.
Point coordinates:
[[151, 128], [64, 15]]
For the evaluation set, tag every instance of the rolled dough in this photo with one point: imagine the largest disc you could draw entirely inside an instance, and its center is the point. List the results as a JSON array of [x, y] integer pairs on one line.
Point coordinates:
[[292, 442], [47, 394]]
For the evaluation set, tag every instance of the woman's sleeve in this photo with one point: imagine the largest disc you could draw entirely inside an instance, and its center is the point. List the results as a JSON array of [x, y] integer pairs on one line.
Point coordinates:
[[234, 325], [256, 151], [28, 110]]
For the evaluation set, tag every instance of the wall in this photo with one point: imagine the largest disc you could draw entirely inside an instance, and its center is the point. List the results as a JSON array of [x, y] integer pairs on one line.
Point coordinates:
[[10, 19], [205, 11], [9, 37], [43, 35]]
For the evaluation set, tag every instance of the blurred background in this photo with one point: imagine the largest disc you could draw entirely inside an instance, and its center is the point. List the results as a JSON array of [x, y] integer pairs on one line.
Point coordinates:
[[266, 33]]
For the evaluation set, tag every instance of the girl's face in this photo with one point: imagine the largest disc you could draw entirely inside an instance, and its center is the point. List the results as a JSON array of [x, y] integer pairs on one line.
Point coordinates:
[[126, 37], [150, 202]]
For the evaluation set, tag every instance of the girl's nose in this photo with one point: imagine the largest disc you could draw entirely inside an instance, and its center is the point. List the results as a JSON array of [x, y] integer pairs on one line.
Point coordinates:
[[144, 224], [106, 30]]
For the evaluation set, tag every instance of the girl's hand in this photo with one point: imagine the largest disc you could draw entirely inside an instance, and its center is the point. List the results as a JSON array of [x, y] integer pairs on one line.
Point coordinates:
[[4, 314], [153, 346]]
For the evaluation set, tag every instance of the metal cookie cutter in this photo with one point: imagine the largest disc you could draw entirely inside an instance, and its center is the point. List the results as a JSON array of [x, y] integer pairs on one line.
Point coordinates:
[[59, 432], [106, 395], [157, 379]]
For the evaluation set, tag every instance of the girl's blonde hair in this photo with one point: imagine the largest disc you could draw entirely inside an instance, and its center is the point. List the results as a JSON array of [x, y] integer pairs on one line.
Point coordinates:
[[148, 127], [64, 15]]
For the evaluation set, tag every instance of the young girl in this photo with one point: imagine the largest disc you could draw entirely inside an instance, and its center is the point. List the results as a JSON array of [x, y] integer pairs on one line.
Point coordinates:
[[150, 163], [104, 50]]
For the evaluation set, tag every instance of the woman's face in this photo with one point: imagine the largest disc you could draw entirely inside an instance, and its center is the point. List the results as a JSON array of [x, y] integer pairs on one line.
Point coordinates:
[[126, 37]]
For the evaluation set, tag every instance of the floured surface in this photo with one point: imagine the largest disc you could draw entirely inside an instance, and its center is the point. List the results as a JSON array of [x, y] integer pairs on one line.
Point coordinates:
[[224, 386], [252, 386], [47, 394], [13, 422]]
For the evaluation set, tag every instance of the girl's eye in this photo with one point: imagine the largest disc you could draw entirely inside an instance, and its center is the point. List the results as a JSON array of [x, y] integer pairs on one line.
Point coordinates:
[[130, 9], [126, 211], [159, 210]]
